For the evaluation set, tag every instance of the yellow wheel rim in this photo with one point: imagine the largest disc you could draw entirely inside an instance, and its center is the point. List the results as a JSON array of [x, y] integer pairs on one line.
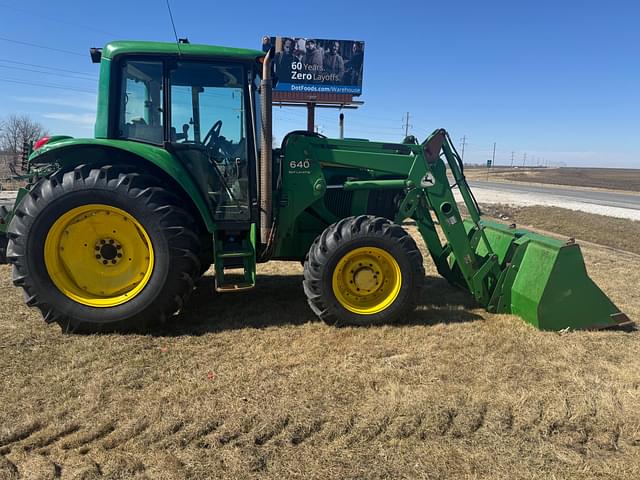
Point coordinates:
[[98, 255], [366, 280]]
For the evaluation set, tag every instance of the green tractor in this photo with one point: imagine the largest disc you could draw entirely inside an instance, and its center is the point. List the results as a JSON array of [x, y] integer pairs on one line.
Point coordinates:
[[112, 232]]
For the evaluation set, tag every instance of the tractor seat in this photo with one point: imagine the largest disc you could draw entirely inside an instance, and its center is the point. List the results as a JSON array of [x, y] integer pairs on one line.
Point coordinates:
[[139, 130]]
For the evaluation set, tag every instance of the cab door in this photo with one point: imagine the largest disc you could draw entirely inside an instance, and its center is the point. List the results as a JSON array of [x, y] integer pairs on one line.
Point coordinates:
[[208, 131]]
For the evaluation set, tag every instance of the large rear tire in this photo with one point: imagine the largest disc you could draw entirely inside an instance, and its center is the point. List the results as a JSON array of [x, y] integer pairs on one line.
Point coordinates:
[[363, 270], [103, 249]]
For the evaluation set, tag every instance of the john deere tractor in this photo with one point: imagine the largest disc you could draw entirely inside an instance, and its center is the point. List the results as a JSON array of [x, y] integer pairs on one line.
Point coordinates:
[[112, 232]]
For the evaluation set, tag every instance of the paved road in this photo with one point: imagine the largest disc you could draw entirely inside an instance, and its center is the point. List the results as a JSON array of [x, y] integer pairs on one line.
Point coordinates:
[[594, 197], [531, 192]]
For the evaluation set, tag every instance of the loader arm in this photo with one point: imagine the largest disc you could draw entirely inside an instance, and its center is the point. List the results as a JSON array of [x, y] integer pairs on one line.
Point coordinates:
[[507, 270]]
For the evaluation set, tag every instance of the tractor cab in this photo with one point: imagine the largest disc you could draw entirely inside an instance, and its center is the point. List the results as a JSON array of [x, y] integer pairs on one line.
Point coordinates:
[[201, 108]]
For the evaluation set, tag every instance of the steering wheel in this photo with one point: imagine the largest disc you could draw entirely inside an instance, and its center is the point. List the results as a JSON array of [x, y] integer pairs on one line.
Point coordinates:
[[213, 134]]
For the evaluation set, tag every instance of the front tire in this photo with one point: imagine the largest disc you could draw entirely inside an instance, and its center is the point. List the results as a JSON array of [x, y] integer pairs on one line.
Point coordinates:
[[103, 249], [363, 270]]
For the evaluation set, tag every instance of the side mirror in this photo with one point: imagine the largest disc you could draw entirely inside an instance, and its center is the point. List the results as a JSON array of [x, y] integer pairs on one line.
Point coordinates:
[[96, 55]]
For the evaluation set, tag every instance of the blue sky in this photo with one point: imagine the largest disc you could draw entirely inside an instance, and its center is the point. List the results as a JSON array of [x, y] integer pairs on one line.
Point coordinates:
[[557, 80]]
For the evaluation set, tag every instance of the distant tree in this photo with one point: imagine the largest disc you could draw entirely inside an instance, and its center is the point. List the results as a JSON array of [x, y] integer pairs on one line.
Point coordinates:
[[15, 131]]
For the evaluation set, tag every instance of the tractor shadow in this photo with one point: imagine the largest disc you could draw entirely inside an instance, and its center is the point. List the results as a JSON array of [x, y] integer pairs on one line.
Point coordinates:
[[279, 300]]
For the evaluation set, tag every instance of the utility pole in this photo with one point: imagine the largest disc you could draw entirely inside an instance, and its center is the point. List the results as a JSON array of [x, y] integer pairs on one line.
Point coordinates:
[[493, 159], [512, 157], [464, 142], [406, 125], [524, 159]]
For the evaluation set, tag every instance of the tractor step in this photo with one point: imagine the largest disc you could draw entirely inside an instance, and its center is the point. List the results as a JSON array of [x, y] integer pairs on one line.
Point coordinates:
[[240, 253], [234, 287], [235, 249]]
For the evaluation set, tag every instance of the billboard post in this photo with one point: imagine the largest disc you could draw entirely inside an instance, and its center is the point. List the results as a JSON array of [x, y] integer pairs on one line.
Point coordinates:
[[311, 112]]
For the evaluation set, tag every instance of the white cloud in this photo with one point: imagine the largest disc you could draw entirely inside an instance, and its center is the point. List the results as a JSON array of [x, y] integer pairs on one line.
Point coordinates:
[[83, 102], [86, 119]]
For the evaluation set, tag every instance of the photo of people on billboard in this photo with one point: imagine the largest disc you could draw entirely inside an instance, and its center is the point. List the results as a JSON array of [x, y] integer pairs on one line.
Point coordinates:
[[317, 65]]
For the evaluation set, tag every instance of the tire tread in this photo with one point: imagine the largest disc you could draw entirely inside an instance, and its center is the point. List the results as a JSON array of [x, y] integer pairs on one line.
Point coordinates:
[[177, 225], [350, 229]]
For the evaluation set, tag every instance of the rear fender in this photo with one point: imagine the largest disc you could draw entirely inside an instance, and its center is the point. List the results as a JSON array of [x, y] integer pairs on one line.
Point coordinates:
[[69, 153]]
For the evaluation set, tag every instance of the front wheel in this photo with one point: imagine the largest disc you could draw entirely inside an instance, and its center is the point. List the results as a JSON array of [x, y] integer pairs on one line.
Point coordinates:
[[363, 270], [103, 249]]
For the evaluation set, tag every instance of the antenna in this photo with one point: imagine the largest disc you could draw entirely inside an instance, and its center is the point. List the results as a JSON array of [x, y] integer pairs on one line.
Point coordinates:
[[174, 27]]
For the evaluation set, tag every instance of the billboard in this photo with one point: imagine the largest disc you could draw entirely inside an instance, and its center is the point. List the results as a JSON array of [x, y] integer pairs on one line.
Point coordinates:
[[311, 65]]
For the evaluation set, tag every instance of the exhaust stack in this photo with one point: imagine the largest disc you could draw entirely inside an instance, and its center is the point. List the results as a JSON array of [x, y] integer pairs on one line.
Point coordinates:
[[266, 198]]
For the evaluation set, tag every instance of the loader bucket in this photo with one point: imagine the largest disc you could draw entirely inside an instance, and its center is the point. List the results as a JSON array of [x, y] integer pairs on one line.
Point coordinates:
[[545, 281]]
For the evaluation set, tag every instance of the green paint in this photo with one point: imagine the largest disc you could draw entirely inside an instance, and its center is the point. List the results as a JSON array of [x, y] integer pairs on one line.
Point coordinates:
[[70, 152], [166, 49], [374, 184]]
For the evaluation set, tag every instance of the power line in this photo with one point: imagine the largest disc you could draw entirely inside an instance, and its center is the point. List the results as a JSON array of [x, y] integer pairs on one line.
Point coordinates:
[[75, 77], [350, 125], [54, 19], [46, 67], [19, 42], [360, 121], [47, 85], [364, 112], [328, 118], [359, 128]]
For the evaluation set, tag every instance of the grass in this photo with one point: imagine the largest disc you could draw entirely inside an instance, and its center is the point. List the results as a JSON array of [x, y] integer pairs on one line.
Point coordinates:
[[608, 178], [250, 385]]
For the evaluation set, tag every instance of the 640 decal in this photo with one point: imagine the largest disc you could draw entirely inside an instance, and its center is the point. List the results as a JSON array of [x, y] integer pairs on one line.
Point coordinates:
[[300, 166]]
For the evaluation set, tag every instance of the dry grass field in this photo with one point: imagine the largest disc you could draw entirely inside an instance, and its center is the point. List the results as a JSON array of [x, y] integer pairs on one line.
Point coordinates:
[[618, 233], [609, 178], [251, 386]]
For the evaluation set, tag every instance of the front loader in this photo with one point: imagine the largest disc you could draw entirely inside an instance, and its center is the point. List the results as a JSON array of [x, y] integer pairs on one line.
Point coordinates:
[[112, 232]]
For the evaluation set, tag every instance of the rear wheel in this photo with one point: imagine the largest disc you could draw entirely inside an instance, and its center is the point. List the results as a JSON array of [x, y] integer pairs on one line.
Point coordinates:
[[103, 249], [363, 270]]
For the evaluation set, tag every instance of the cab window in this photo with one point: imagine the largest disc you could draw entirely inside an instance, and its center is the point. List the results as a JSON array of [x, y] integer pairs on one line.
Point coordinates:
[[141, 102]]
